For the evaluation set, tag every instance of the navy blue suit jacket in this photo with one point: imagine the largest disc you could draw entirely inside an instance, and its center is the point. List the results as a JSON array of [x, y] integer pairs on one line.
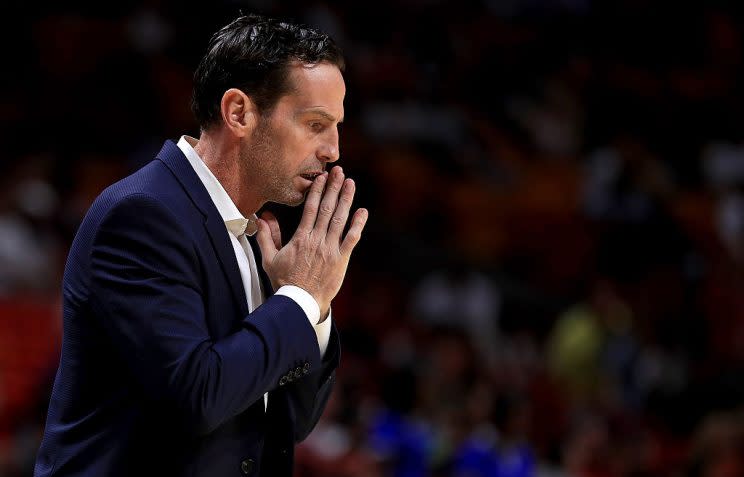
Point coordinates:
[[163, 370]]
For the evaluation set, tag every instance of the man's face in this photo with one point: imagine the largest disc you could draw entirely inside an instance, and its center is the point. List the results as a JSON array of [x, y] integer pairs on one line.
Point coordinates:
[[296, 139]]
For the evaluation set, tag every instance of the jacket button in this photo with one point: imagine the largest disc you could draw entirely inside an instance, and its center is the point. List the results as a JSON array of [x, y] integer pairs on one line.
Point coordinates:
[[306, 368], [298, 372], [247, 466], [283, 381]]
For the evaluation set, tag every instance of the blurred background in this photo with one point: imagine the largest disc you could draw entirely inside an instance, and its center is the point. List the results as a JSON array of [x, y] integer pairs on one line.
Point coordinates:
[[552, 278]]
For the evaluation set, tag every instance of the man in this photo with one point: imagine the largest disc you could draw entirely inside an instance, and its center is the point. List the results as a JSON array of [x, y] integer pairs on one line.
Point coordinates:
[[180, 356]]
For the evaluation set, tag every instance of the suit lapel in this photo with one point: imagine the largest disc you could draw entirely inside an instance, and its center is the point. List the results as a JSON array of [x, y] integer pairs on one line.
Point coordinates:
[[218, 234], [172, 156]]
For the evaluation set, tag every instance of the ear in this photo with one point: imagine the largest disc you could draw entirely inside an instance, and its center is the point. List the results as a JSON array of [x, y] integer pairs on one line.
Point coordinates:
[[239, 113]]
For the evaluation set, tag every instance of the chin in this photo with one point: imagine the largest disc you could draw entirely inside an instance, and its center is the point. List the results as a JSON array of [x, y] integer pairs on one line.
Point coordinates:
[[295, 203], [292, 198]]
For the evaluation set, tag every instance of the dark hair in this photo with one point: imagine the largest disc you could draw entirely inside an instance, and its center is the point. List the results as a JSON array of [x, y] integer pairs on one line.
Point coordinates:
[[253, 53]]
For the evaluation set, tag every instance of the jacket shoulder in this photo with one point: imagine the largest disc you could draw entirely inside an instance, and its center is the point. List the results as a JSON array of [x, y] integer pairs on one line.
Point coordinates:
[[154, 180], [149, 198], [151, 189]]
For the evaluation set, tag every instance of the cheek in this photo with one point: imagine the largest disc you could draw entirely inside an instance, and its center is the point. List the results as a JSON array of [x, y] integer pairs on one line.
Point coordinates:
[[300, 148], [294, 148]]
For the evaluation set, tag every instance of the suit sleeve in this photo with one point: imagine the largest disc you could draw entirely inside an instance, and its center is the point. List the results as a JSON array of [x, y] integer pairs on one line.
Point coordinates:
[[145, 288], [309, 395]]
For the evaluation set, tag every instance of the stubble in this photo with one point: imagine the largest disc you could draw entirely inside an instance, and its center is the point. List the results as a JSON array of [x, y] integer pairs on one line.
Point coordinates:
[[264, 158]]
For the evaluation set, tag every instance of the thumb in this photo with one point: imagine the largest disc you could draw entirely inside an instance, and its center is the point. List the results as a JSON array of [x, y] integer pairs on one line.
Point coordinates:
[[265, 242]]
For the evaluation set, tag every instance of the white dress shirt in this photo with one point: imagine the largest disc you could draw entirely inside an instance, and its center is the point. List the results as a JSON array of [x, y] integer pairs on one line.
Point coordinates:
[[238, 227]]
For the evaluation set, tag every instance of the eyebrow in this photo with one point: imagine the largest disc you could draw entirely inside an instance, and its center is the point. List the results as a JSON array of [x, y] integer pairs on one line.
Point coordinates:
[[320, 112]]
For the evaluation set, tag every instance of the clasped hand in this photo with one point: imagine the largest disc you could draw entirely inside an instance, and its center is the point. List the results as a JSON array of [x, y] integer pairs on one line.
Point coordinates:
[[316, 257]]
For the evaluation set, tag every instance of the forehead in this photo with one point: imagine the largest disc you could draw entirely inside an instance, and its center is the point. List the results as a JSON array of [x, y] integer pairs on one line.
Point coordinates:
[[318, 86]]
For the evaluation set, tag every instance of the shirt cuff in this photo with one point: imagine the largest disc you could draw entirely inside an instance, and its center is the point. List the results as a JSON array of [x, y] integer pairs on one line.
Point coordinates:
[[323, 332], [312, 311]]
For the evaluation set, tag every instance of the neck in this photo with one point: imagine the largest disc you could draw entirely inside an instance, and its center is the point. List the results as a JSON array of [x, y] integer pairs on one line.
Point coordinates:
[[221, 155]]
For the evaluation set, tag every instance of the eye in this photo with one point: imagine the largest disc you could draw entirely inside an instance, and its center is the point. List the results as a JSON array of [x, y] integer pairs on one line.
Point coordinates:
[[316, 126]]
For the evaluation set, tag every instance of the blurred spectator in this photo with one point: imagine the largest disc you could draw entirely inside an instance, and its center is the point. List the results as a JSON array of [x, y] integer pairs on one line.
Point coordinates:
[[29, 247], [719, 447], [459, 297]]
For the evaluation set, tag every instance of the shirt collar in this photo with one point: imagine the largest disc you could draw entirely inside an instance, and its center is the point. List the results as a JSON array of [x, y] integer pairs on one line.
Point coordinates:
[[234, 221]]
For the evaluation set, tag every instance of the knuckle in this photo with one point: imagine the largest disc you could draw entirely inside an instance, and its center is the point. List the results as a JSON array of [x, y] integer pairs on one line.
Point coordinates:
[[301, 230], [301, 240], [326, 209], [313, 241], [337, 220]]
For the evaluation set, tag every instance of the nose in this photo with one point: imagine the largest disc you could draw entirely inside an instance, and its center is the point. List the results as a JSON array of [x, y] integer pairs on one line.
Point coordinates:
[[329, 150]]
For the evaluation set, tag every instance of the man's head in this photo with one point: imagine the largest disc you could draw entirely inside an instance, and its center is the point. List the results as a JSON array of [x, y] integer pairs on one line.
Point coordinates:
[[277, 90]]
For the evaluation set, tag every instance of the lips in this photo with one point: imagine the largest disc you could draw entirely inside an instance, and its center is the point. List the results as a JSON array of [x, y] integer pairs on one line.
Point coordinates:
[[311, 175]]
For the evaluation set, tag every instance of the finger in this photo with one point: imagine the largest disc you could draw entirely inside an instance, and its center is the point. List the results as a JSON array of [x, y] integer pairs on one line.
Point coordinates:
[[265, 242], [276, 232], [355, 231], [341, 215], [330, 199], [311, 203]]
